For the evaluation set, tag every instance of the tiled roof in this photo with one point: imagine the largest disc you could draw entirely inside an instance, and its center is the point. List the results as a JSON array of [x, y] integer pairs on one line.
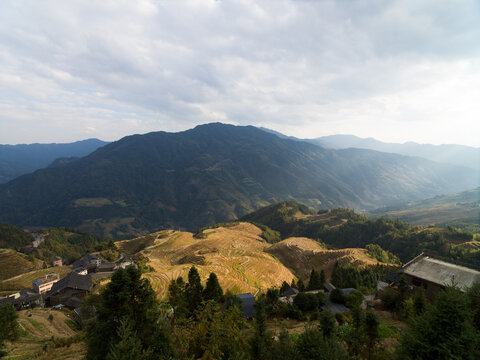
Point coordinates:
[[73, 281], [441, 272]]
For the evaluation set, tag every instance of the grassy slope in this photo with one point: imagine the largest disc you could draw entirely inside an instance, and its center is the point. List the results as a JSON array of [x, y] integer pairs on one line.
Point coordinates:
[[24, 280], [13, 263], [238, 255], [37, 332]]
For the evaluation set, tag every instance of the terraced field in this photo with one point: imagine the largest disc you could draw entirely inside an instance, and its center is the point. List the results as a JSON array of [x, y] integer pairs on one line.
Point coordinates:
[[242, 260], [44, 338]]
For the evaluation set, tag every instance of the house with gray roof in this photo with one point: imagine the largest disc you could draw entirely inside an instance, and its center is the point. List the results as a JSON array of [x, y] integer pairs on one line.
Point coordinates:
[[248, 304], [433, 274], [72, 285]]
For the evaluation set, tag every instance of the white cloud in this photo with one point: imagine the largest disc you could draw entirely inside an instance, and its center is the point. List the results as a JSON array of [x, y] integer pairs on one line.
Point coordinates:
[[398, 70]]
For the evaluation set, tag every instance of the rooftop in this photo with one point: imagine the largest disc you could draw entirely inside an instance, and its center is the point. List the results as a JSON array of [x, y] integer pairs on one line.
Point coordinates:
[[441, 272]]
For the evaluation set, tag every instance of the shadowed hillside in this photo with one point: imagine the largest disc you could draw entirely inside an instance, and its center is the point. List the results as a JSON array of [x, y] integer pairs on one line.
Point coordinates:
[[210, 174]]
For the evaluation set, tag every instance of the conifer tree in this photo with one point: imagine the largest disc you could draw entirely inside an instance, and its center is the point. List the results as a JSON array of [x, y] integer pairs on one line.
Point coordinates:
[[322, 277], [293, 284], [371, 331], [128, 347], [130, 298], [260, 336], [315, 282], [300, 285], [285, 286], [193, 291], [176, 296], [213, 290], [443, 331]]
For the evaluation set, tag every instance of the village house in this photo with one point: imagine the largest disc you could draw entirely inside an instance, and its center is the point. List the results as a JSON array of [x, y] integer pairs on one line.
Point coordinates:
[[23, 299], [45, 283], [248, 304], [57, 261], [73, 285], [433, 274], [90, 262]]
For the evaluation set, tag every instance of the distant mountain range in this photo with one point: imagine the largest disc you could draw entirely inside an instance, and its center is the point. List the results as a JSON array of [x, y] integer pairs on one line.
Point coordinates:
[[16, 160], [446, 153], [214, 173]]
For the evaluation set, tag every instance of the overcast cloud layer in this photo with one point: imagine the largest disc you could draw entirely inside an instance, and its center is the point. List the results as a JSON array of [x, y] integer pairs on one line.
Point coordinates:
[[393, 70]]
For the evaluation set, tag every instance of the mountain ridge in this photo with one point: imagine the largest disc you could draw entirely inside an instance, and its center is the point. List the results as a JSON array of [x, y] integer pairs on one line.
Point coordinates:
[[210, 174]]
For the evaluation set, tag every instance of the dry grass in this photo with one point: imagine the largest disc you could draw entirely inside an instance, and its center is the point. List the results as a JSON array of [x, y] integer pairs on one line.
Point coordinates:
[[242, 260], [38, 331], [302, 254], [13, 263], [24, 281]]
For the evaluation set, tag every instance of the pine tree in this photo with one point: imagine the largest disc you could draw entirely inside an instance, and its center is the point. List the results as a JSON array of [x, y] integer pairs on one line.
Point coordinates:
[[285, 286], [213, 290], [193, 291], [444, 331], [176, 296], [128, 347], [371, 331], [127, 296], [322, 277], [315, 282], [327, 324], [260, 335], [300, 285], [293, 284]]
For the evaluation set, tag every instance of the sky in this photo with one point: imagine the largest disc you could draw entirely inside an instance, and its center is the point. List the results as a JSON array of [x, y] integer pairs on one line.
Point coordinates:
[[398, 71]]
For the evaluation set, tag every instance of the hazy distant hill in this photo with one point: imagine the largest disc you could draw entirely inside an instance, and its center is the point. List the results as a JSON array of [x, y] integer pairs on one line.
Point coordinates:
[[448, 153], [16, 160], [214, 173], [452, 209]]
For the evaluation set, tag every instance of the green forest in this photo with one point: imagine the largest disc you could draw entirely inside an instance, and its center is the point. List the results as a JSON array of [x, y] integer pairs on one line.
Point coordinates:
[[200, 321], [343, 228]]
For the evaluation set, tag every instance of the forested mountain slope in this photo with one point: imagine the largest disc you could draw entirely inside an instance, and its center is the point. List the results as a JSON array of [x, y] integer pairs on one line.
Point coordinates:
[[213, 173]]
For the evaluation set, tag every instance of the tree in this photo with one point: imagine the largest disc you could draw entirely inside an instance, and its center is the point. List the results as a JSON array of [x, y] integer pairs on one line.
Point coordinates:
[[354, 299], [127, 298], [193, 291], [306, 301], [371, 331], [259, 340], [312, 345], [419, 302], [213, 290], [9, 325], [444, 331], [176, 296], [323, 278], [285, 286], [337, 296], [327, 324], [129, 347], [300, 285], [315, 281], [473, 295]]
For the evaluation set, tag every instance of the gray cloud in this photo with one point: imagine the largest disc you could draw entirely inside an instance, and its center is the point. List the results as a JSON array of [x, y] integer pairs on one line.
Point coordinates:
[[398, 70]]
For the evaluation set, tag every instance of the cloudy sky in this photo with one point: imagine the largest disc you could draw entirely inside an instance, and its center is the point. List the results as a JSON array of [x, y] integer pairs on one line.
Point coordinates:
[[393, 70]]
